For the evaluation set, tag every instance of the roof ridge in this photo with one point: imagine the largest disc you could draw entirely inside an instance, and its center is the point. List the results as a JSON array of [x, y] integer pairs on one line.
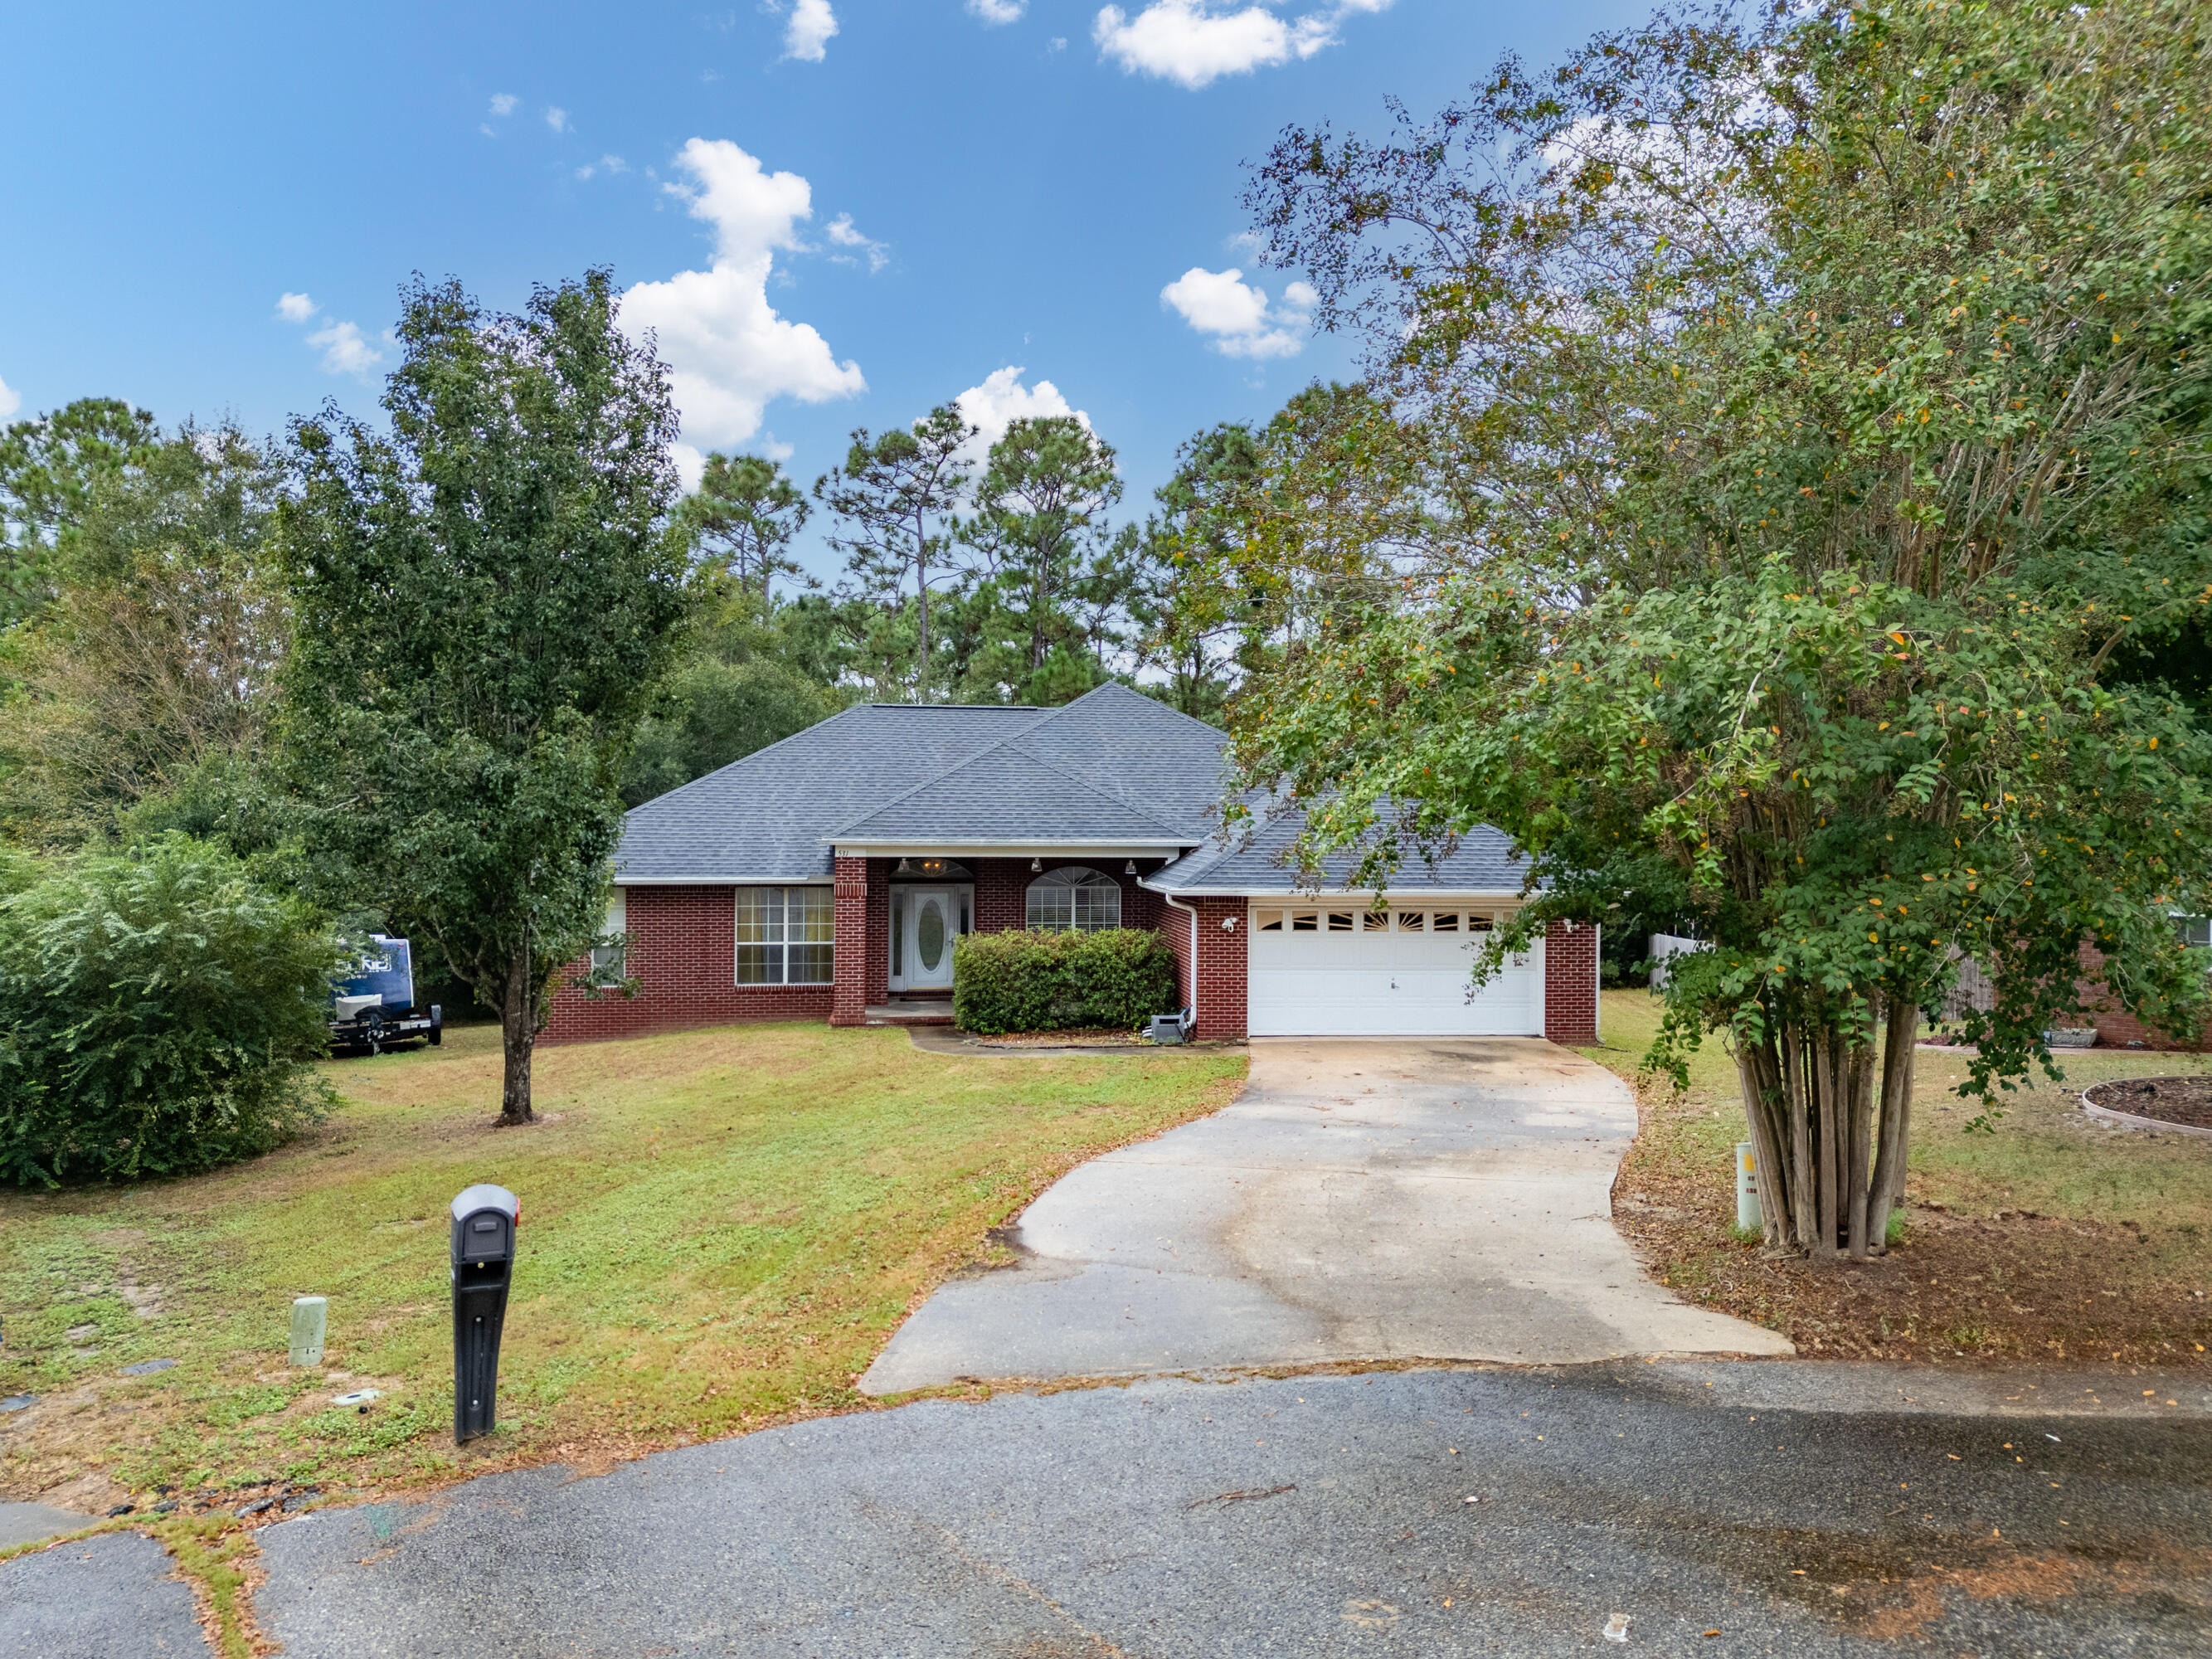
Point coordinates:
[[939, 776], [1113, 795]]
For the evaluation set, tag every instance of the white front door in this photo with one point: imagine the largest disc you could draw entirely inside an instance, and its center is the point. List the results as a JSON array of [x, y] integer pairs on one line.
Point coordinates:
[[925, 920], [1319, 969]]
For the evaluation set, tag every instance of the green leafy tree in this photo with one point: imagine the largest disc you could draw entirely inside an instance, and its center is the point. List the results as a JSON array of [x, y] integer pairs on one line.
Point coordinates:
[[894, 500], [49, 468], [151, 665], [486, 600], [742, 518], [1811, 408]]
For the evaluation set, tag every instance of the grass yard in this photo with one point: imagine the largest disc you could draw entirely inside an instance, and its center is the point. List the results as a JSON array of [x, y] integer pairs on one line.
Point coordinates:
[[719, 1230], [2050, 1238]]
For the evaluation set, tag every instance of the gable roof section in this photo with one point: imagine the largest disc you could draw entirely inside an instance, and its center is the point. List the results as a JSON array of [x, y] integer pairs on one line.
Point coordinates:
[[762, 817], [1114, 765], [1483, 861]]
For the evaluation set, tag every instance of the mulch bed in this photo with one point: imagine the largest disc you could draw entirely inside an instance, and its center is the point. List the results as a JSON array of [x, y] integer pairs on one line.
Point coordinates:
[[2186, 1100], [2012, 1285], [1086, 1037]]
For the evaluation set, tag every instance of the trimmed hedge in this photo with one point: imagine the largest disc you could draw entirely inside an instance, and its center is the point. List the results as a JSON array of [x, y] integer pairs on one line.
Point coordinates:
[[1118, 977]]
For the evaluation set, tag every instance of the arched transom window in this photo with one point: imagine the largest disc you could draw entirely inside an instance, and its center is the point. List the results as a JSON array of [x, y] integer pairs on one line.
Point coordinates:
[[1075, 897]]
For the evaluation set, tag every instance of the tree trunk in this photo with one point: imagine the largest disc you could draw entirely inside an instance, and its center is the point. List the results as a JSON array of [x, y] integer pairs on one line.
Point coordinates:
[[518, 1030], [1830, 1135], [1886, 1189]]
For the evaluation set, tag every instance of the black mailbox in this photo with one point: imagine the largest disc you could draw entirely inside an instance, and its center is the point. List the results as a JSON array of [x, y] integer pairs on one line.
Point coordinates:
[[484, 1219]]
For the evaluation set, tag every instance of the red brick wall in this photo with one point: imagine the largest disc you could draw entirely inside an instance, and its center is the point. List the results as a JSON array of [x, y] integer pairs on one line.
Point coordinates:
[[1217, 992], [683, 945], [1570, 983], [1002, 888], [856, 962], [2116, 1030]]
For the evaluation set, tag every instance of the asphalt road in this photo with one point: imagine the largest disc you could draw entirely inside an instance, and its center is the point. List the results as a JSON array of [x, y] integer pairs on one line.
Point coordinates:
[[1696, 1508]]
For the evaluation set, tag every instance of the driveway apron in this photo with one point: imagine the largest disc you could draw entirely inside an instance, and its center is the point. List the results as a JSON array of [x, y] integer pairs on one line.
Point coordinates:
[[1362, 1199]]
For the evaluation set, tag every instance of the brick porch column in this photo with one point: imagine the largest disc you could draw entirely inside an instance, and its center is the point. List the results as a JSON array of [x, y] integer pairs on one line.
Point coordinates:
[[849, 1002]]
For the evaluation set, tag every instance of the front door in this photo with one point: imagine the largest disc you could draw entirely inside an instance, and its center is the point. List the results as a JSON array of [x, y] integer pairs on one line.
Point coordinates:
[[925, 920]]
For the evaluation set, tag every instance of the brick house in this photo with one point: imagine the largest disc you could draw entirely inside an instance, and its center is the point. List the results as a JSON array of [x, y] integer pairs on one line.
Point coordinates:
[[826, 877]]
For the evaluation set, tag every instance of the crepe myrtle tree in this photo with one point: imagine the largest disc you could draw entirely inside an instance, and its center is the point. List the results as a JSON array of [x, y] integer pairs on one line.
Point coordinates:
[[1814, 405], [485, 600]]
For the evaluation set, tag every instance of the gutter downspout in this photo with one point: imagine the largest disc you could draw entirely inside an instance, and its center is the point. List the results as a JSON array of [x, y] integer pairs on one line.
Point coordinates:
[[1178, 904]]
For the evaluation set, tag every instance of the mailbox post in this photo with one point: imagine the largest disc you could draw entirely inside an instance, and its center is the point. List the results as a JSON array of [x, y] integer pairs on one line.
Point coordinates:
[[484, 1219]]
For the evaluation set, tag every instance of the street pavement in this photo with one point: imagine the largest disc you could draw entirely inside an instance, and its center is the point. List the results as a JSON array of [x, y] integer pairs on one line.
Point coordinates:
[[99, 1598], [1377, 1199], [1713, 1508]]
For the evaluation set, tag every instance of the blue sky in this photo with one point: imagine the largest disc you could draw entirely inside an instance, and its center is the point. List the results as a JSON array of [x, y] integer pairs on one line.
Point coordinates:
[[836, 212]]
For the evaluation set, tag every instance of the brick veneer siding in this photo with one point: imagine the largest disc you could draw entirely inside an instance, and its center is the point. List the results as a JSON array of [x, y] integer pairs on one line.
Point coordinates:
[[1570, 983], [1215, 988], [856, 891], [1002, 890], [2116, 1030], [683, 948]]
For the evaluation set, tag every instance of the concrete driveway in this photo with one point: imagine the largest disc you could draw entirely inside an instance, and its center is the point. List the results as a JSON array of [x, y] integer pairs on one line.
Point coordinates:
[[1364, 1200]]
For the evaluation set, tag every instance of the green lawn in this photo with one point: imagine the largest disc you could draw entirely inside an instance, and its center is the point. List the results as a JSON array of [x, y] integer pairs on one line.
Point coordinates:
[[718, 1228], [2043, 1155]]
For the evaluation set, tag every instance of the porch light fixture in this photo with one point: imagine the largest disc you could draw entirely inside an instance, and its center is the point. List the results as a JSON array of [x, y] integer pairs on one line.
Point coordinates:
[[1130, 868], [904, 869], [1036, 865]]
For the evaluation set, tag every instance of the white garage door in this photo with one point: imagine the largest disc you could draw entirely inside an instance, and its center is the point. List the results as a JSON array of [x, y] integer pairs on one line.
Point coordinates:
[[1321, 972]]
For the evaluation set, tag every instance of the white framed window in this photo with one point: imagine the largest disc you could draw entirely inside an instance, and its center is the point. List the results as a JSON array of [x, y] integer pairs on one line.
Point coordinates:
[[1410, 921], [1075, 897], [2194, 930], [1268, 921], [1373, 921], [610, 963], [786, 935]]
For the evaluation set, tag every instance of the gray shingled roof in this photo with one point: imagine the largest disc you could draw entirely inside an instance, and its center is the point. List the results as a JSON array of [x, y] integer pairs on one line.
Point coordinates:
[[1481, 862], [1113, 765]]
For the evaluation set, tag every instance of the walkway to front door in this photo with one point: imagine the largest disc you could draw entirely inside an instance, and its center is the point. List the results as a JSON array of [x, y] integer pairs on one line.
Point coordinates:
[[1364, 1199]]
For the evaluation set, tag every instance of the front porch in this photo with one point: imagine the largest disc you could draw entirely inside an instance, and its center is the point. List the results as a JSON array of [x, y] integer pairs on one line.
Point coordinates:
[[899, 912]]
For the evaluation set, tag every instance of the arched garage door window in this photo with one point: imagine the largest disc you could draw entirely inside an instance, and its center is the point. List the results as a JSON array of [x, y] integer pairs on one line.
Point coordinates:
[[1075, 897]]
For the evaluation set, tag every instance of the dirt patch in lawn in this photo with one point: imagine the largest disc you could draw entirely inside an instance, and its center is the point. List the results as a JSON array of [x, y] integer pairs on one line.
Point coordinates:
[[2051, 1236], [2186, 1100], [1084, 1037]]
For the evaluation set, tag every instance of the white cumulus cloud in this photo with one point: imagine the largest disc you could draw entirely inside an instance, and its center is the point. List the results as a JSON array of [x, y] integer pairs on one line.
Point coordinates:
[[1195, 42], [10, 400], [1236, 316], [842, 231], [345, 348], [1002, 399], [806, 36], [729, 354], [557, 118], [503, 103], [999, 11]]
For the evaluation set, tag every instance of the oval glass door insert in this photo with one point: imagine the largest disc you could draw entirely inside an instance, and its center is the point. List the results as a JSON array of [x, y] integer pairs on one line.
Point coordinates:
[[929, 933]]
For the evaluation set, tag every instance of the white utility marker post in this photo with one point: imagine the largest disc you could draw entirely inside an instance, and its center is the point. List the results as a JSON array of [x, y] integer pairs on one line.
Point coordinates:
[[1747, 1216], [310, 1323]]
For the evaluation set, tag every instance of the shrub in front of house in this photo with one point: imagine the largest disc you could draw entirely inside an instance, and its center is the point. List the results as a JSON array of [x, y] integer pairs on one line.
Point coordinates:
[[1117, 977], [160, 1013]]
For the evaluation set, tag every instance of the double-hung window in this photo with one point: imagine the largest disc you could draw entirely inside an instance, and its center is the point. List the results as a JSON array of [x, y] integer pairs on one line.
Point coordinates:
[[609, 960], [785, 935]]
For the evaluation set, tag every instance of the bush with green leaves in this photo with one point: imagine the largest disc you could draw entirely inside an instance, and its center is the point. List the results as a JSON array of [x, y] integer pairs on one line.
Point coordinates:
[[1057, 981], [160, 1014]]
